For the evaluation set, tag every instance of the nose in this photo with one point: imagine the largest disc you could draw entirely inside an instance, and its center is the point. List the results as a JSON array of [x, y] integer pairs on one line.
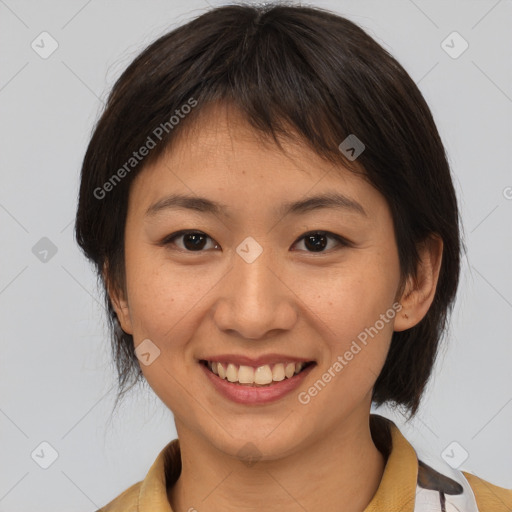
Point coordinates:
[[255, 300]]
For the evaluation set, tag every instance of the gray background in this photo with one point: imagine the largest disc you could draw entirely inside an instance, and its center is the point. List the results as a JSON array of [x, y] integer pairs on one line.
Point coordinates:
[[57, 380]]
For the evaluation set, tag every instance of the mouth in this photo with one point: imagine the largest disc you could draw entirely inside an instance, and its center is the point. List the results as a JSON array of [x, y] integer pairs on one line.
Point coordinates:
[[251, 376]]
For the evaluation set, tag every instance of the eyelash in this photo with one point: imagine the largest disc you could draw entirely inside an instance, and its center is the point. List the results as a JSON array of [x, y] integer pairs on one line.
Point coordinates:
[[169, 240]]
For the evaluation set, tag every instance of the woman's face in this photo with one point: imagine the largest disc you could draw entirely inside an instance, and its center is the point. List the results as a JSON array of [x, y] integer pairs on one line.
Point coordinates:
[[249, 283]]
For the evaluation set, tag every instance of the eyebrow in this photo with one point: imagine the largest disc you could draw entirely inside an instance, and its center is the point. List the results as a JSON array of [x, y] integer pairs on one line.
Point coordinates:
[[333, 200]]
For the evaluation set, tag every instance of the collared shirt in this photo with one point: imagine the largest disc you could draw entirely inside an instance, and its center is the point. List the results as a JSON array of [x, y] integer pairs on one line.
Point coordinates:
[[408, 483]]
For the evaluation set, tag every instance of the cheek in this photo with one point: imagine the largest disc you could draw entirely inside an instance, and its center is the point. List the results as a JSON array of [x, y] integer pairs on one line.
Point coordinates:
[[356, 329], [157, 302], [164, 308], [355, 306], [353, 296], [166, 300]]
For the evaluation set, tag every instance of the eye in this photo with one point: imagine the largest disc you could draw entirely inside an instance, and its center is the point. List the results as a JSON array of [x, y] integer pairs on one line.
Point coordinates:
[[193, 241], [318, 240]]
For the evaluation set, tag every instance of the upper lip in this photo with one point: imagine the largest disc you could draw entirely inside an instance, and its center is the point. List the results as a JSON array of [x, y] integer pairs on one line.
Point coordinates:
[[258, 361]]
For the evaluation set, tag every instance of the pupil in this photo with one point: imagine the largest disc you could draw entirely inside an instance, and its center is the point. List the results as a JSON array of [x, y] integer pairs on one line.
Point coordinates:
[[195, 238], [318, 245]]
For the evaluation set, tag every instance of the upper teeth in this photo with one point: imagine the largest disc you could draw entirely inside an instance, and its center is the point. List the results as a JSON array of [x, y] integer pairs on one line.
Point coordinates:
[[251, 375]]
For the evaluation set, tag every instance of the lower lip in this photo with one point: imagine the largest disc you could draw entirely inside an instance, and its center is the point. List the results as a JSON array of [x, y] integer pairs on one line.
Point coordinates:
[[249, 395]]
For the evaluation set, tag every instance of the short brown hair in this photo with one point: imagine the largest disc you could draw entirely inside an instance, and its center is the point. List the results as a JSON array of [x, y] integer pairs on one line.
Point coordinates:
[[293, 71]]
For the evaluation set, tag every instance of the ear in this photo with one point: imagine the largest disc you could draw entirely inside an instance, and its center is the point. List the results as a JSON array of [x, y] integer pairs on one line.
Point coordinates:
[[419, 291], [119, 302]]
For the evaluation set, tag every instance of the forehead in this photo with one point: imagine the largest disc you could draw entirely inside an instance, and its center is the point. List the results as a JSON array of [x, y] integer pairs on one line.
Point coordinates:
[[219, 133], [220, 155]]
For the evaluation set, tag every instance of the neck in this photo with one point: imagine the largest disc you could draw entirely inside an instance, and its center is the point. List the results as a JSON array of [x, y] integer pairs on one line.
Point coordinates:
[[340, 471]]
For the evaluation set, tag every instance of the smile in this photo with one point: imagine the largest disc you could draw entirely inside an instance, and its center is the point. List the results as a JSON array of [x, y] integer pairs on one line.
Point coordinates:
[[262, 388], [263, 375]]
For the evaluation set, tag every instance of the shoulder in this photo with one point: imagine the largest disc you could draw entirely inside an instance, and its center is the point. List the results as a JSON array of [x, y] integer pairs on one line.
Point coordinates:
[[489, 497], [151, 493], [127, 501], [437, 483]]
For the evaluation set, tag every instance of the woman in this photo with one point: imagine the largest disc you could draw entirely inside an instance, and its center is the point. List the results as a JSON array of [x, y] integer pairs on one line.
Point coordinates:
[[267, 201]]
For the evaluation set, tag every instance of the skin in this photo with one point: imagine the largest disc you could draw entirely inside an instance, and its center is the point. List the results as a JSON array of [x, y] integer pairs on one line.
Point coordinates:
[[290, 300]]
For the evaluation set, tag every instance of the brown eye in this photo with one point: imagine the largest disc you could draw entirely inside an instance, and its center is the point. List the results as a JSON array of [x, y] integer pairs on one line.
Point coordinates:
[[317, 241], [192, 241], [197, 241]]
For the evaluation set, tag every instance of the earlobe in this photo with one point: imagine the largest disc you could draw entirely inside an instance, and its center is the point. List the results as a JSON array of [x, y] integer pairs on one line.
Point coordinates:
[[420, 290], [119, 303]]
